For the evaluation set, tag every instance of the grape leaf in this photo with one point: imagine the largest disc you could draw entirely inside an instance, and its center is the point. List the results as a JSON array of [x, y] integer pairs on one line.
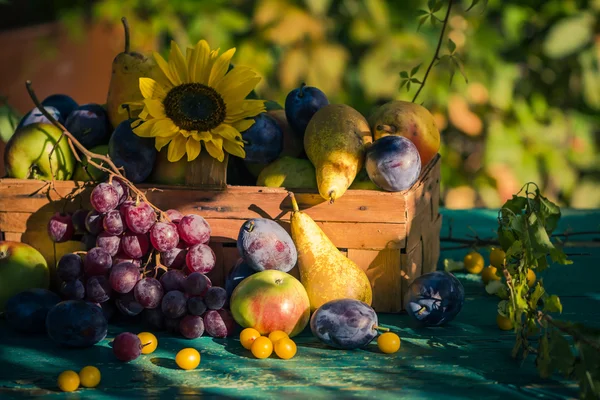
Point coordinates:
[[552, 304], [516, 204], [506, 237], [549, 212], [536, 295], [415, 70]]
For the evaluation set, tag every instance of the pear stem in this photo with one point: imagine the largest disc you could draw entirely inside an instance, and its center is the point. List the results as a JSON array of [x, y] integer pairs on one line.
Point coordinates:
[[294, 202], [126, 29], [391, 129], [301, 94], [381, 328]]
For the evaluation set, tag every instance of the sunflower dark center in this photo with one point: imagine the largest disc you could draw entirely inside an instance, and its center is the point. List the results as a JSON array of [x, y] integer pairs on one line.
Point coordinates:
[[195, 107]]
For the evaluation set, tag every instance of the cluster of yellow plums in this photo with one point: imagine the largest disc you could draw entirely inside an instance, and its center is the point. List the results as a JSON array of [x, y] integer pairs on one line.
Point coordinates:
[[474, 264], [263, 346]]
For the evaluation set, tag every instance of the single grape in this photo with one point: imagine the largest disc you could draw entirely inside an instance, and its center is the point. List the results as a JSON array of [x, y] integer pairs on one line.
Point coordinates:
[[123, 277], [215, 298], [104, 198], [164, 236], [139, 218], [60, 227], [70, 267], [194, 229], [97, 262], [98, 289], [191, 326], [196, 306], [148, 292], [122, 257], [196, 284], [135, 245], [123, 208], [172, 324], [72, 290], [127, 305], [218, 323], [172, 280], [174, 258], [78, 219], [113, 223], [173, 304], [88, 240], [154, 318], [174, 215], [108, 242], [121, 188], [93, 222], [200, 258], [127, 346]]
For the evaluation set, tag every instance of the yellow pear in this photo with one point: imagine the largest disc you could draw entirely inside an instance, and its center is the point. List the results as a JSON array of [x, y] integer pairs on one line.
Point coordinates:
[[127, 69], [288, 172], [324, 271], [413, 121], [335, 142]]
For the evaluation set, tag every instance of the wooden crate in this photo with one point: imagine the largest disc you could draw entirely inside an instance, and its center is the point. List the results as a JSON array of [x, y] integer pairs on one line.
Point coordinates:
[[393, 237]]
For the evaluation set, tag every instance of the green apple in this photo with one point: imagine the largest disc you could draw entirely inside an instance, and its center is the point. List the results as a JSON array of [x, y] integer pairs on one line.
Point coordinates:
[[166, 172], [26, 153], [21, 267], [96, 174], [9, 119]]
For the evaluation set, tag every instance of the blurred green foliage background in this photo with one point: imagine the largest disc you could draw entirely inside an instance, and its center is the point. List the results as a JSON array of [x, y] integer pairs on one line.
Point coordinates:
[[529, 111]]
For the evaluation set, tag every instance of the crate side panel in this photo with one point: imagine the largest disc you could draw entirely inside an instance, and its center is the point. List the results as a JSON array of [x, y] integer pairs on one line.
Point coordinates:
[[431, 246], [411, 266]]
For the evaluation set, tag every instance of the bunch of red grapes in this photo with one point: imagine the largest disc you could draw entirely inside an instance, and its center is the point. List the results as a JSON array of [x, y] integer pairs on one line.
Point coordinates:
[[118, 269]]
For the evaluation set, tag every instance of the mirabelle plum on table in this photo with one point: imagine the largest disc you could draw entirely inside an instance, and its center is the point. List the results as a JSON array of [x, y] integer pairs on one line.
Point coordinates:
[[388, 342], [262, 347], [188, 359], [285, 348], [89, 376], [68, 381], [248, 336]]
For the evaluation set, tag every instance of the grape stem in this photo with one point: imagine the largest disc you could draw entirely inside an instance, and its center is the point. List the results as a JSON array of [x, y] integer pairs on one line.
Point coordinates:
[[113, 171]]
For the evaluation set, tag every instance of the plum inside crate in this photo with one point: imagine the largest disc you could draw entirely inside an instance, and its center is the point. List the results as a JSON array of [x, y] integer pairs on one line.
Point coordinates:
[[393, 237]]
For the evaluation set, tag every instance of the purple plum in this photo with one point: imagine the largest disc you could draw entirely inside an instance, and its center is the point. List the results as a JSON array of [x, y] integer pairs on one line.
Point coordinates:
[[393, 163]]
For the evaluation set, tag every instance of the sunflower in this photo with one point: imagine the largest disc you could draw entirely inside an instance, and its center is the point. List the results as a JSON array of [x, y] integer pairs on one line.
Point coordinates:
[[195, 99]]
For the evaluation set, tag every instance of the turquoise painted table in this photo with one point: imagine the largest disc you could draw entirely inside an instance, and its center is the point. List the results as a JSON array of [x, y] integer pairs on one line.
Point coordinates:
[[469, 358]]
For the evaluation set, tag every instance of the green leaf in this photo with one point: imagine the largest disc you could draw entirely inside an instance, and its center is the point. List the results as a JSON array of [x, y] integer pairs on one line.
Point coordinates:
[[473, 4], [506, 237], [408, 86], [404, 82], [460, 67], [404, 74], [415, 80], [549, 212], [516, 204], [562, 356], [431, 5], [543, 360], [536, 295], [569, 35], [415, 70], [552, 304], [451, 46], [423, 12], [542, 263], [422, 21], [438, 5]]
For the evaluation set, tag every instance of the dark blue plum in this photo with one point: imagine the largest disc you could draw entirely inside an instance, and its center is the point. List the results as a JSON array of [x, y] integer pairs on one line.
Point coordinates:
[[344, 324], [434, 299], [237, 274], [135, 154], [264, 244], [63, 103], [76, 323], [264, 140], [393, 163], [35, 116], [26, 311], [300, 106], [89, 124], [72, 290]]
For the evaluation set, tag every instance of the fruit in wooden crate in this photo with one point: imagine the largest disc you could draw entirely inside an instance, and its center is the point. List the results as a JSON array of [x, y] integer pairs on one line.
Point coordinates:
[[96, 174], [324, 271], [344, 324], [21, 267], [27, 154], [411, 120], [393, 163], [301, 104], [76, 323], [127, 69], [35, 116], [26, 311], [89, 125], [363, 182], [134, 153], [288, 172], [63, 103], [271, 300], [434, 299], [264, 244], [9, 120], [264, 140], [293, 145], [335, 142], [166, 172]]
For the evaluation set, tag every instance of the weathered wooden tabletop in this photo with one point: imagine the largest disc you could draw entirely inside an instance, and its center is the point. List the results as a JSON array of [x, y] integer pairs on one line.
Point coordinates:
[[469, 358]]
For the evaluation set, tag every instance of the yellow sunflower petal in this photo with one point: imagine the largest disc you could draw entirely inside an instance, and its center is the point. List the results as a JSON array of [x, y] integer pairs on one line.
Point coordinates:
[[192, 148], [215, 148], [243, 109], [161, 142], [151, 89], [164, 67], [243, 124], [234, 77], [202, 136], [155, 108], [145, 128], [164, 127], [176, 148], [240, 91], [234, 149], [198, 67], [227, 132], [220, 66], [177, 64]]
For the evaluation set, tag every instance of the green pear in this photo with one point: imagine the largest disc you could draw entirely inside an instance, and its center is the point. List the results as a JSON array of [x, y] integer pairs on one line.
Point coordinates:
[[96, 174], [288, 172], [27, 154], [166, 172]]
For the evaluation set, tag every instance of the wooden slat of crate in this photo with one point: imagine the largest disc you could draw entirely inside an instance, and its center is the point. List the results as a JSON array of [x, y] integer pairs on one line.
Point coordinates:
[[431, 247], [346, 235], [383, 269], [411, 266]]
